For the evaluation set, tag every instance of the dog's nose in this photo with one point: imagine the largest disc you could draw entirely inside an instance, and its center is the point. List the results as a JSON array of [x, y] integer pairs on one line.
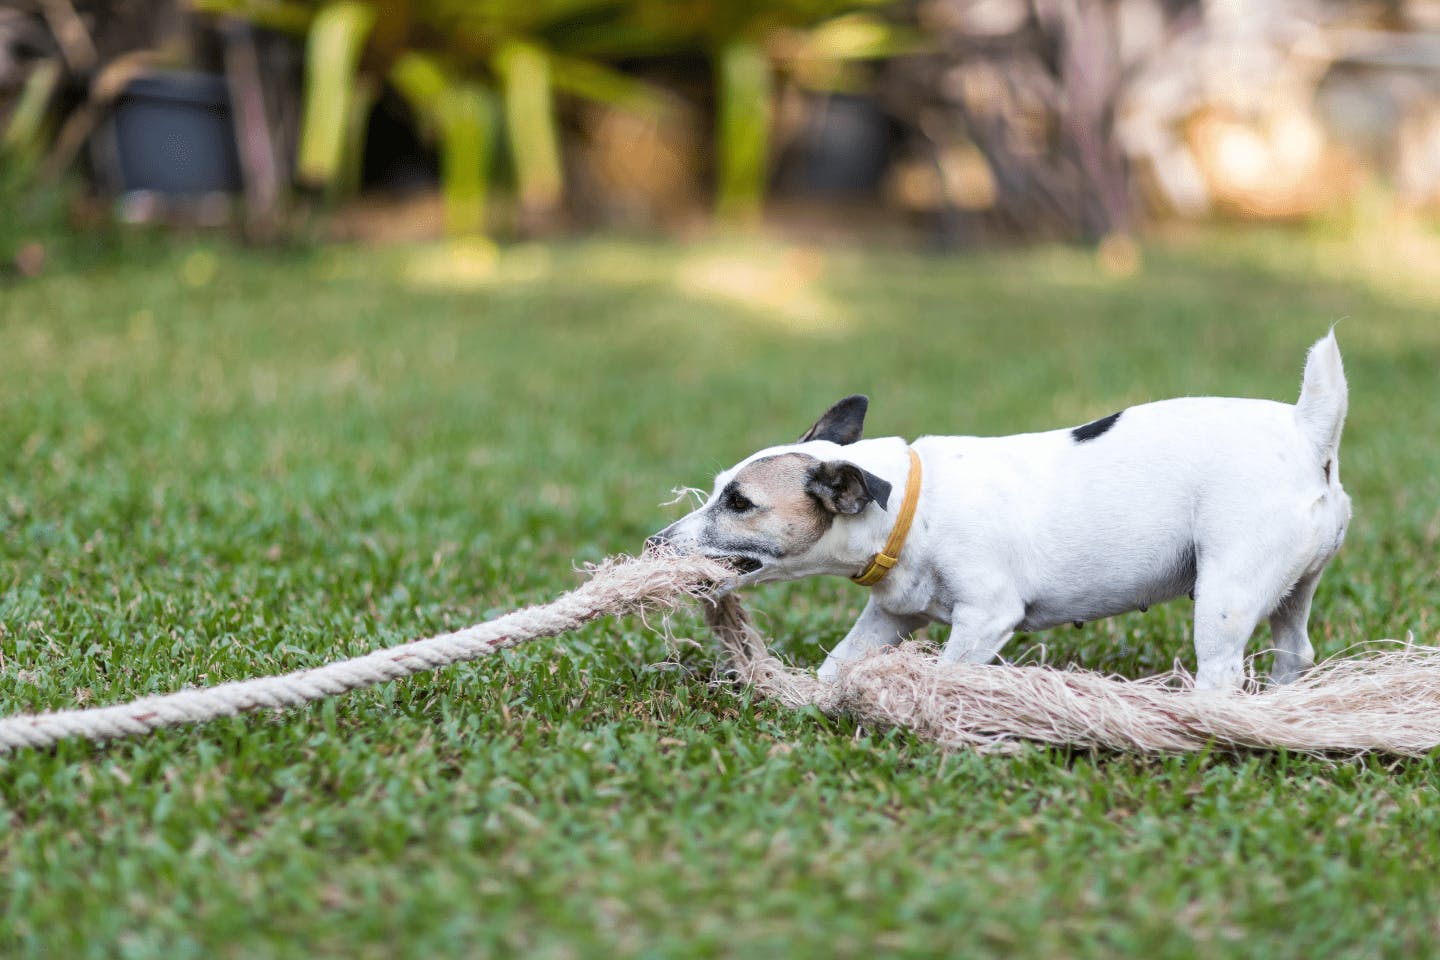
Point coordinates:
[[657, 542]]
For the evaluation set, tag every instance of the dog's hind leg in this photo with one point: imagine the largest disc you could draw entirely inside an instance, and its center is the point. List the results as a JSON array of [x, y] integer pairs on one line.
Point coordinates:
[[875, 628], [1230, 599], [1224, 620], [1293, 652]]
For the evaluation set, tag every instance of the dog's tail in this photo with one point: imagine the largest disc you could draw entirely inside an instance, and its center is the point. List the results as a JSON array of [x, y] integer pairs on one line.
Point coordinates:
[[1324, 398]]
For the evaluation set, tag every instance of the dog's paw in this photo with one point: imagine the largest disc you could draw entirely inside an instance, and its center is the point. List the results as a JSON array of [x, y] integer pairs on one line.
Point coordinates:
[[829, 670]]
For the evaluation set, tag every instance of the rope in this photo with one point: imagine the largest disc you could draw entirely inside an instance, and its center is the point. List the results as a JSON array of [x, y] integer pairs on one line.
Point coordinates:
[[1387, 703], [1384, 703], [614, 588]]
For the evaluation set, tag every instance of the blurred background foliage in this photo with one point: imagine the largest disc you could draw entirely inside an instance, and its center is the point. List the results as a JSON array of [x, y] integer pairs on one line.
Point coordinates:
[[960, 122]]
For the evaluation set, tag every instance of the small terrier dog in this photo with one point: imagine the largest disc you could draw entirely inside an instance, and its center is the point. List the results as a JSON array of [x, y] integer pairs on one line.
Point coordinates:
[[1235, 502]]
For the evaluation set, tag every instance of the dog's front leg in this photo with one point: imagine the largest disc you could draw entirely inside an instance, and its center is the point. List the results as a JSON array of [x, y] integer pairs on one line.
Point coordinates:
[[875, 628], [978, 632]]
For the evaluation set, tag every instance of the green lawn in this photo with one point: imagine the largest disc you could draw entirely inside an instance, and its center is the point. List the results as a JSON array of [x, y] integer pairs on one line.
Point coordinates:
[[216, 464]]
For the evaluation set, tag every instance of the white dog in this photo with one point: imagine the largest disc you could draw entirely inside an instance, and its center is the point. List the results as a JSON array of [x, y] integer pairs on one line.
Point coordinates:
[[1235, 502]]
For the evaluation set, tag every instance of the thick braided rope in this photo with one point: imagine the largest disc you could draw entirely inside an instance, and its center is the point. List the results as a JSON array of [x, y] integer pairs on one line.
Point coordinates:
[[615, 587]]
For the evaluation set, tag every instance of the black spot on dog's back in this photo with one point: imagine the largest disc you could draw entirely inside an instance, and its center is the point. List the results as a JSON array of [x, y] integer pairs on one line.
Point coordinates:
[[1095, 428]]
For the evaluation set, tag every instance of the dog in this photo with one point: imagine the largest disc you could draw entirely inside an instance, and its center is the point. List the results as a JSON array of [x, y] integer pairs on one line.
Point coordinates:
[[1235, 502]]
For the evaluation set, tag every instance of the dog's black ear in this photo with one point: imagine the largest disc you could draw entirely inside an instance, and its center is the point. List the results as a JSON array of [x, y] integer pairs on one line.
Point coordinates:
[[842, 487], [843, 423]]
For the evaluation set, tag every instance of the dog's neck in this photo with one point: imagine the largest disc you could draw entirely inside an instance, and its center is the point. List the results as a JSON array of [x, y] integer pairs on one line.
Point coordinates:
[[889, 459]]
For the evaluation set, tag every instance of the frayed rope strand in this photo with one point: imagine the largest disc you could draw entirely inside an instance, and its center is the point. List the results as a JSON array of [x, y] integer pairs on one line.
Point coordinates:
[[1383, 703]]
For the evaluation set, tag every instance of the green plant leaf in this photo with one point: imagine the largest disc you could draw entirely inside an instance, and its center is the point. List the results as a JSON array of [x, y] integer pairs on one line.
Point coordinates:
[[595, 81], [332, 56], [826, 56], [858, 36], [742, 132], [461, 114], [465, 121], [24, 136], [271, 14], [422, 81], [357, 120], [531, 124]]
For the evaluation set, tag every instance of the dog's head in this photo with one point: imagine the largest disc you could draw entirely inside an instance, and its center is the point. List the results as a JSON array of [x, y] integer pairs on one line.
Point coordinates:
[[769, 515]]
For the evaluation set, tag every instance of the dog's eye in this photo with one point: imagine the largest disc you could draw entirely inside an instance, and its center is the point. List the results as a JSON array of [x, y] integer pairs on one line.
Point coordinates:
[[738, 502]]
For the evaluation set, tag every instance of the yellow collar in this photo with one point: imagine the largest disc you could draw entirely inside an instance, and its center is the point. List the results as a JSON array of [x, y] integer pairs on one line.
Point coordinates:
[[881, 563]]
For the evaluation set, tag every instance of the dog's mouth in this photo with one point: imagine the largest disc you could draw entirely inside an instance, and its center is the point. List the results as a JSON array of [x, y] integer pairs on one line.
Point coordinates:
[[741, 564]]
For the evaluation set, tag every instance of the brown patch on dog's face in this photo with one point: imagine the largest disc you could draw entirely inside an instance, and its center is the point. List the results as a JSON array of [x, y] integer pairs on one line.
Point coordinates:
[[767, 509]]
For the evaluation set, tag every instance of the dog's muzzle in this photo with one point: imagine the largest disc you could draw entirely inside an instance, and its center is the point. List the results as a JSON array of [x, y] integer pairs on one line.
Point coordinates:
[[660, 543]]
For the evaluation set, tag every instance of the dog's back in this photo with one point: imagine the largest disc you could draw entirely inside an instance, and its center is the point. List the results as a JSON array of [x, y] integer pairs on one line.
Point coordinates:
[[1111, 516]]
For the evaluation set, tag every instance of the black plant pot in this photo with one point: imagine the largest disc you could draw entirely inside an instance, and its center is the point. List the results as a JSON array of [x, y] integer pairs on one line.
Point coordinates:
[[844, 149], [174, 135]]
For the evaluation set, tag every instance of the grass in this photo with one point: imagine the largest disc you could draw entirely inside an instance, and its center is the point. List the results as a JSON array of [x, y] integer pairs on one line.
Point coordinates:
[[216, 464]]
